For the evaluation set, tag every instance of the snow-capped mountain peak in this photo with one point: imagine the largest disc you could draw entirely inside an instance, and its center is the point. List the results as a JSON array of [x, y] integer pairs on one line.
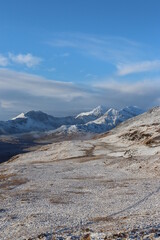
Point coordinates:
[[111, 112], [96, 112], [91, 115], [21, 115], [38, 116]]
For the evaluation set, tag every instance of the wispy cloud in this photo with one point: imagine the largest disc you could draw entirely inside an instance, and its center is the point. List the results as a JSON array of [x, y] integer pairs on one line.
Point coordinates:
[[3, 61], [110, 49], [127, 56], [144, 66], [90, 76], [25, 59]]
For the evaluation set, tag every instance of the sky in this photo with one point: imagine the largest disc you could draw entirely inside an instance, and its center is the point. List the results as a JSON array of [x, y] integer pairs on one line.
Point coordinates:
[[68, 56]]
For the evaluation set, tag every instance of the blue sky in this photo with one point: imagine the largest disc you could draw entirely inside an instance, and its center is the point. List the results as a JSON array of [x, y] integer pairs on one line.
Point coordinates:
[[67, 56]]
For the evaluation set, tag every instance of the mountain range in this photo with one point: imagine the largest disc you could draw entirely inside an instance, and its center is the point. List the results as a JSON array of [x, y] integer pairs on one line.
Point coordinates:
[[98, 120]]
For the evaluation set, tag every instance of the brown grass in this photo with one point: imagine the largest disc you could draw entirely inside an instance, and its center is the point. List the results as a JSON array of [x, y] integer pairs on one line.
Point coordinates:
[[44, 148], [81, 159], [83, 178], [98, 136], [151, 141], [12, 159], [86, 237], [4, 177], [87, 159], [59, 200], [77, 192], [2, 197], [11, 182], [133, 135]]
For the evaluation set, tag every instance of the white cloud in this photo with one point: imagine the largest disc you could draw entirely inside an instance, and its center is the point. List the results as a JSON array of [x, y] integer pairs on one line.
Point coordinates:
[[3, 61], [144, 66], [25, 59]]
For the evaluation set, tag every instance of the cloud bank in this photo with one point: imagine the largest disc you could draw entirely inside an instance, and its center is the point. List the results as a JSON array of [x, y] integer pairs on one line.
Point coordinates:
[[21, 92]]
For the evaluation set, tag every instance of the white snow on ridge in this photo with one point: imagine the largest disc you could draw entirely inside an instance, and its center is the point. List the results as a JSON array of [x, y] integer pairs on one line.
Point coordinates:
[[96, 112], [22, 115], [91, 115]]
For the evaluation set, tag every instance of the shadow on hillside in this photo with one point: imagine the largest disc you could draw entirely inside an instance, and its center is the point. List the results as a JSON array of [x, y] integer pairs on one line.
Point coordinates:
[[10, 149], [12, 145]]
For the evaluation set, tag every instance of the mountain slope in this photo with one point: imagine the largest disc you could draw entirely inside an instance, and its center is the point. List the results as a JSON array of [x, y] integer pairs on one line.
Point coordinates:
[[112, 118], [106, 122], [143, 129]]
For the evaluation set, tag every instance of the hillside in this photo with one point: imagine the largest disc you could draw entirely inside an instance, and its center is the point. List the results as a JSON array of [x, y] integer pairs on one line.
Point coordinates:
[[107, 187]]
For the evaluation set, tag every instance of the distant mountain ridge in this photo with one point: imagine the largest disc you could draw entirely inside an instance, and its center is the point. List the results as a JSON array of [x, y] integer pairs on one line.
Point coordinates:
[[34, 121], [96, 121], [106, 122]]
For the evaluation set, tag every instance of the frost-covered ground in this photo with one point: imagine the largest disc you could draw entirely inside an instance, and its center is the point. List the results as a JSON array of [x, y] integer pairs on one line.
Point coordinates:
[[105, 186]]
